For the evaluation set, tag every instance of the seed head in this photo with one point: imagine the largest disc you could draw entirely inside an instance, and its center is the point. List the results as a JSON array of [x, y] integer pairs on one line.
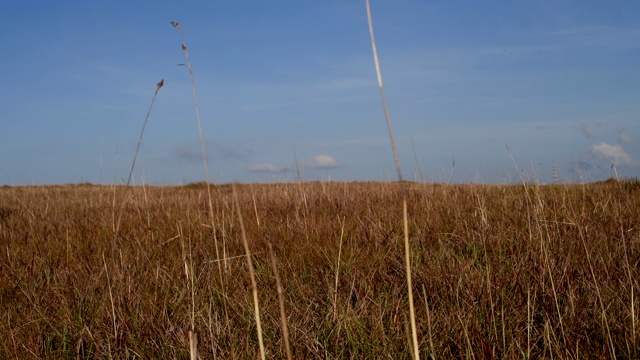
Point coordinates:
[[176, 25]]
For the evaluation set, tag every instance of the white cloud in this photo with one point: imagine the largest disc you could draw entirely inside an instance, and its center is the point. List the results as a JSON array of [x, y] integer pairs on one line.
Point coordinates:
[[265, 167], [625, 138], [615, 153], [323, 162]]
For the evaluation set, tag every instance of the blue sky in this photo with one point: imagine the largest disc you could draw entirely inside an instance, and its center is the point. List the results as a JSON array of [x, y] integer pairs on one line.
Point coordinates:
[[554, 81]]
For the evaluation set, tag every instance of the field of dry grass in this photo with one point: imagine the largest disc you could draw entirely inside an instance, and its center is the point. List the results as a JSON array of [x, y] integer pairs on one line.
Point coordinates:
[[498, 271]]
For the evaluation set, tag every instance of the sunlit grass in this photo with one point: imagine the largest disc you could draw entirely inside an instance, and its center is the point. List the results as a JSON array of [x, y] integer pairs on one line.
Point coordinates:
[[494, 277]]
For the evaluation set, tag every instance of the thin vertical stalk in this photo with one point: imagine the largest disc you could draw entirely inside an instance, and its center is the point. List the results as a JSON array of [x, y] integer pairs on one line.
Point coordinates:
[[113, 308], [426, 303], [631, 284], [414, 336], [384, 99], [283, 314], [204, 153], [133, 164], [529, 320], [195, 99], [415, 158], [204, 163], [144, 125], [193, 345], [190, 276], [335, 294], [254, 284], [412, 312]]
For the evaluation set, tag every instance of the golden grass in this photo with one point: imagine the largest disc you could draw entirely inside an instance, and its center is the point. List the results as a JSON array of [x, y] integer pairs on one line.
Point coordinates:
[[496, 269]]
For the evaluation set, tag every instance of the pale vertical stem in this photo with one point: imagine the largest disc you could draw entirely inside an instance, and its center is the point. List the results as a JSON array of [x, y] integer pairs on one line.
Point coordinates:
[[528, 322], [133, 163], [414, 334], [283, 314], [144, 125], [113, 308], [195, 101], [415, 158], [304, 196], [426, 303], [204, 153], [335, 295], [412, 312], [193, 290], [631, 284], [193, 345], [188, 271], [254, 284], [204, 163], [384, 99], [255, 205]]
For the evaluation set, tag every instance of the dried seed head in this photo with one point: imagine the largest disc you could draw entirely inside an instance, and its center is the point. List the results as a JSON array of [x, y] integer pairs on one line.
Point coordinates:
[[184, 47], [160, 84], [175, 25]]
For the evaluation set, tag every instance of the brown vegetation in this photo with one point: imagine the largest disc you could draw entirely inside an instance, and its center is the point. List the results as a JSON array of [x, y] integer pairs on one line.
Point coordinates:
[[498, 271]]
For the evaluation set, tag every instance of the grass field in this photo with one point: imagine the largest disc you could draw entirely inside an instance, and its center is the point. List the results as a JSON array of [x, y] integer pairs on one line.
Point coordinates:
[[503, 271]]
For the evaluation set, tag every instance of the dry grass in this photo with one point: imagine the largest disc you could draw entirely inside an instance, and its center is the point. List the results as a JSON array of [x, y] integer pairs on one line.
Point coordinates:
[[550, 273]]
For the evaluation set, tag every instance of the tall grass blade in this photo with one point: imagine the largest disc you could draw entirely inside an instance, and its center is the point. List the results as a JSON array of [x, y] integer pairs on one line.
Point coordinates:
[[283, 314], [384, 98], [202, 147], [204, 164], [426, 303], [144, 125], [414, 336], [252, 274], [335, 294], [631, 285], [113, 308], [412, 311], [195, 99], [193, 345], [133, 163]]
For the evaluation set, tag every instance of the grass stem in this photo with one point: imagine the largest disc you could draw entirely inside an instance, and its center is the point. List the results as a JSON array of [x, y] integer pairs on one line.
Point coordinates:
[[335, 293], [412, 312], [283, 314], [113, 308], [254, 284], [133, 164], [384, 98]]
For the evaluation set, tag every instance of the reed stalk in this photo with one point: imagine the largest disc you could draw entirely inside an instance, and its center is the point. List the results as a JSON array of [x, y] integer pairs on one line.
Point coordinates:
[[414, 336]]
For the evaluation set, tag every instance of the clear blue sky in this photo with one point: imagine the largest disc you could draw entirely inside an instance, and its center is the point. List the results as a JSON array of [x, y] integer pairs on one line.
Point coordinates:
[[555, 81]]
